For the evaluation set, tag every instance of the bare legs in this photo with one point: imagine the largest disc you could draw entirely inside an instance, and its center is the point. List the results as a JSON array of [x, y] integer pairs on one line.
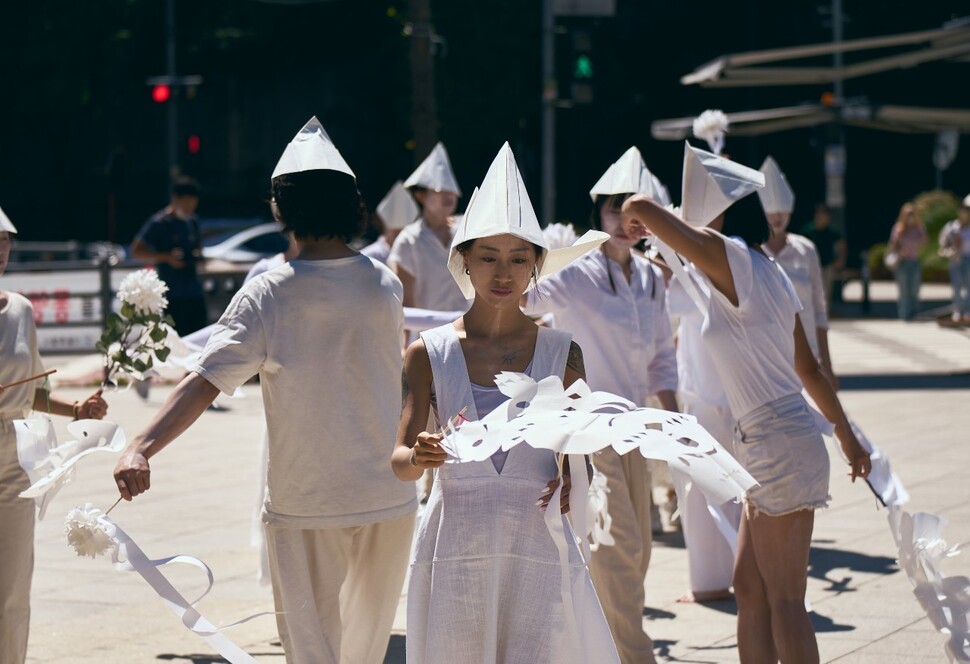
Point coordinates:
[[769, 581]]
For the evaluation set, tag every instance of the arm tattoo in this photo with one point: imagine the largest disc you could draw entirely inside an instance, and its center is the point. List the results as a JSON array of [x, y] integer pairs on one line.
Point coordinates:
[[574, 360], [405, 388]]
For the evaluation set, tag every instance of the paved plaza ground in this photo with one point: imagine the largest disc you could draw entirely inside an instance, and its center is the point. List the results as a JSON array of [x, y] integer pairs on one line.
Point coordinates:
[[906, 384]]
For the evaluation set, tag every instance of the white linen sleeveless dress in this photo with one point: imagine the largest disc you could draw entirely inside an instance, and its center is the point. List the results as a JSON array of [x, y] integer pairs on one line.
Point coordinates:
[[486, 578]]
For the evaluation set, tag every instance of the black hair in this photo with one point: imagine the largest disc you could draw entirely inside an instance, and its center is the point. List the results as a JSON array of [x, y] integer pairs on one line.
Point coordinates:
[[185, 186], [319, 204], [746, 220], [614, 201]]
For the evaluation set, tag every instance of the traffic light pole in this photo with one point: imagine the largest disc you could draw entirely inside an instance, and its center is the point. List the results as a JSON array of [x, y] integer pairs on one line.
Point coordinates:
[[173, 168], [549, 95]]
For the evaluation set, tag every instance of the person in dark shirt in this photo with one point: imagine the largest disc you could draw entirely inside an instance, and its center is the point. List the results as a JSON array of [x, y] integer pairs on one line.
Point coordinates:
[[830, 245], [170, 239]]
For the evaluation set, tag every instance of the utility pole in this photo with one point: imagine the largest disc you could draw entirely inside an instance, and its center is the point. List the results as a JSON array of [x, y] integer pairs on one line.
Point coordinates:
[[173, 167], [424, 112], [549, 96], [835, 153]]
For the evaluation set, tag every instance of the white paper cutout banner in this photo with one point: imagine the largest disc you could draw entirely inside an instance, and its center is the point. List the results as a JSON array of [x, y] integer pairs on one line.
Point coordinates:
[[128, 556], [50, 466], [580, 421], [946, 599]]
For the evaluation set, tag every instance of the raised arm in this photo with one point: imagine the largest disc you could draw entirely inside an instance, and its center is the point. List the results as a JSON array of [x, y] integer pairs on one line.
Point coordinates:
[[183, 407], [701, 246]]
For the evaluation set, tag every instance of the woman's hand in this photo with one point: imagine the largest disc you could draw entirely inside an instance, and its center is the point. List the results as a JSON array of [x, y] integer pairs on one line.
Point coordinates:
[[859, 460], [427, 453], [93, 408], [544, 499], [630, 218]]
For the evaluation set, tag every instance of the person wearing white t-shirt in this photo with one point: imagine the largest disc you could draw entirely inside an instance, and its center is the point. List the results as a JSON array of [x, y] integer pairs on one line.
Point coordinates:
[[323, 333], [419, 255], [955, 246], [612, 301], [759, 347]]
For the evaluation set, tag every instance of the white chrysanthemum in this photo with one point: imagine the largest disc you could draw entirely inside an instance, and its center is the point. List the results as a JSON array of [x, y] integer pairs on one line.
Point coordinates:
[[711, 126], [558, 235], [144, 291], [85, 533]]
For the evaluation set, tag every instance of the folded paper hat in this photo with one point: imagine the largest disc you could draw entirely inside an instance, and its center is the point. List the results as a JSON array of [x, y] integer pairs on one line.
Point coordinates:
[[502, 206], [630, 175], [397, 209], [6, 224], [434, 173], [712, 184], [777, 195], [311, 150], [966, 201]]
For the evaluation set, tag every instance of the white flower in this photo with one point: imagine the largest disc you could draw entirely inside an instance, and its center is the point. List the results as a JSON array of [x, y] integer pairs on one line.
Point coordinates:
[[558, 235], [86, 533], [144, 291], [711, 126]]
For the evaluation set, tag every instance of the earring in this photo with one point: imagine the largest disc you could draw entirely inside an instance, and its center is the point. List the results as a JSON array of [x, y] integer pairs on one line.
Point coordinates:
[[467, 271]]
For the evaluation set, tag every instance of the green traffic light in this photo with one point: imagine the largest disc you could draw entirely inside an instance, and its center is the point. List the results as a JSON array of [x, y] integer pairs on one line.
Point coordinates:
[[584, 67]]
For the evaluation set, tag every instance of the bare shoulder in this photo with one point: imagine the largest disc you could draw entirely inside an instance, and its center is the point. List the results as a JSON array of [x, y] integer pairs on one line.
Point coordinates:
[[574, 360], [416, 356]]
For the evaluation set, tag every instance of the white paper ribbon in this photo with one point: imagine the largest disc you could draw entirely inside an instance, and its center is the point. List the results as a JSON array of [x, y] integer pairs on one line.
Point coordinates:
[[128, 556]]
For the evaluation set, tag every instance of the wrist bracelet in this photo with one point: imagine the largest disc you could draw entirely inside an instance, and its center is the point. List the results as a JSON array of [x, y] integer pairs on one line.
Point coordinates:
[[76, 409]]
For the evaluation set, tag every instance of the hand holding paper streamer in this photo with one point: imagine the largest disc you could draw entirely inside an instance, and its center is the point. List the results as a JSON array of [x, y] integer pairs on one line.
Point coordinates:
[[578, 421]]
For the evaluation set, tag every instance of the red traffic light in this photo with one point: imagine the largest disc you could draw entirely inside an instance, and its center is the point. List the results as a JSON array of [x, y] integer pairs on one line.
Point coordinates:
[[194, 144], [161, 93]]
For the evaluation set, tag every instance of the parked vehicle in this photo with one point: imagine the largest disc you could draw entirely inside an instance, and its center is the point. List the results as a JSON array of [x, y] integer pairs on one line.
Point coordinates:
[[246, 246]]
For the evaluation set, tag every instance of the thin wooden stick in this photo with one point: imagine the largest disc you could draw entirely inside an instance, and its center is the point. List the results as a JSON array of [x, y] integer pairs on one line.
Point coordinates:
[[27, 380], [453, 421], [113, 506]]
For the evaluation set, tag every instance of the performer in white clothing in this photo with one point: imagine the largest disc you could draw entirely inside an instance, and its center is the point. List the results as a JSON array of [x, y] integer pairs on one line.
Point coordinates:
[[396, 210], [486, 581], [710, 531], [762, 356], [338, 523], [799, 258], [419, 256], [613, 303], [19, 359]]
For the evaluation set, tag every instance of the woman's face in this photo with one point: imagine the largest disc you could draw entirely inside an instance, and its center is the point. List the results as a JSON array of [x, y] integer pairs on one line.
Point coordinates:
[[611, 222], [5, 241], [500, 268], [438, 204], [909, 215], [778, 222]]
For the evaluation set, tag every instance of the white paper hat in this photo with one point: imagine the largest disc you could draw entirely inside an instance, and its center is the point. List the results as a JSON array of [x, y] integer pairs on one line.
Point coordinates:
[[397, 208], [630, 175], [966, 201], [6, 224], [311, 150], [500, 206], [712, 184], [434, 173], [777, 195]]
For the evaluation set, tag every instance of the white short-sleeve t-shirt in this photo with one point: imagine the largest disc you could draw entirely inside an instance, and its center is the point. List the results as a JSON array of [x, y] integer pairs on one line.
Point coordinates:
[[628, 346], [324, 337], [19, 357], [799, 258], [419, 252], [697, 374], [753, 344]]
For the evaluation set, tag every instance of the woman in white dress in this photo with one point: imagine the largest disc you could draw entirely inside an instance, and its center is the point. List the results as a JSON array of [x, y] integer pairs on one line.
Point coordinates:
[[486, 581], [759, 348]]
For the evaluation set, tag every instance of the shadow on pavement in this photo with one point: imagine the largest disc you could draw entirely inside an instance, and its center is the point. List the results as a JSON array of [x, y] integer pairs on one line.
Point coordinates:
[[395, 650], [823, 561], [822, 623], [947, 381]]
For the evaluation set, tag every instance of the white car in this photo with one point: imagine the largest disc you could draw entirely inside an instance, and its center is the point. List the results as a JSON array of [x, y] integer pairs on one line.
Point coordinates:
[[247, 246]]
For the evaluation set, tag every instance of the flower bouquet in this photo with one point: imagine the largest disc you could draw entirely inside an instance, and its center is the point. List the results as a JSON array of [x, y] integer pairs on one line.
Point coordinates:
[[135, 338]]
